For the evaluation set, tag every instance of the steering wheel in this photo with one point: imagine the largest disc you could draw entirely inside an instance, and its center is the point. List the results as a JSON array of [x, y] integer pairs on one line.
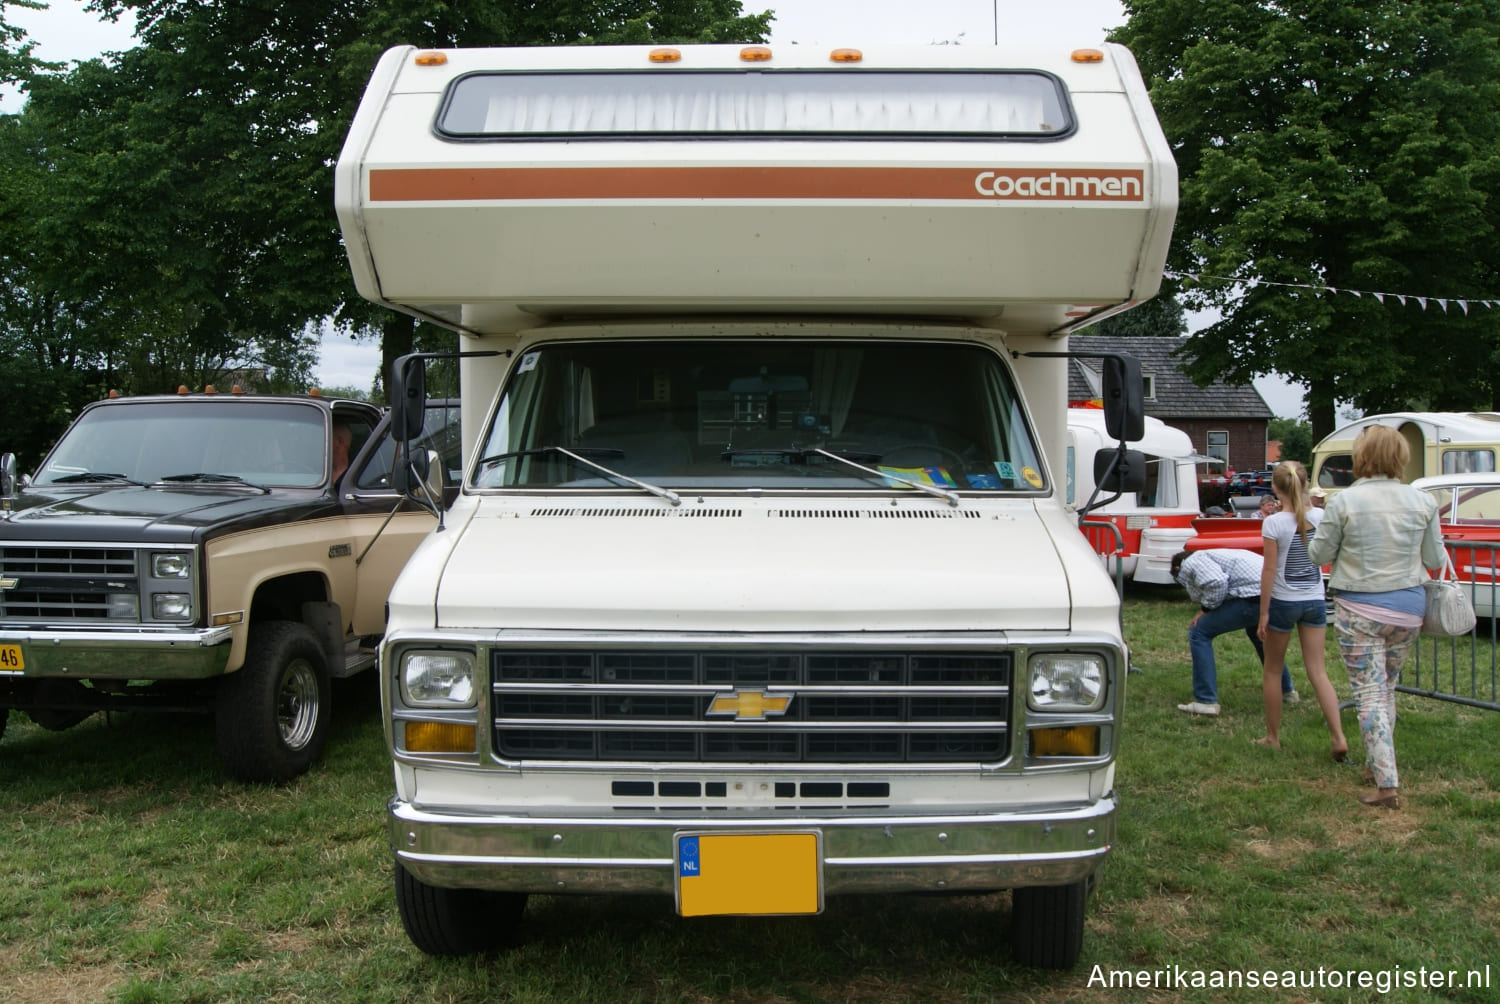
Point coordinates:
[[955, 460]]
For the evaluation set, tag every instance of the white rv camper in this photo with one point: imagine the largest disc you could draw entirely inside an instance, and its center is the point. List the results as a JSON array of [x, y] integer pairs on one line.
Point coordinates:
[[1149, 525], [761, 564]]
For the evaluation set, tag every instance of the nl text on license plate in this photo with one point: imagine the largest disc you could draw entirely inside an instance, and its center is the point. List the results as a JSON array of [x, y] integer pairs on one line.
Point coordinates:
[[10, 659], [747, 874]]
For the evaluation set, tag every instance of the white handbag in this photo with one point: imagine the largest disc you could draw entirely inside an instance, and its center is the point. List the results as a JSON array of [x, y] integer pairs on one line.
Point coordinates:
[[1449, 612]]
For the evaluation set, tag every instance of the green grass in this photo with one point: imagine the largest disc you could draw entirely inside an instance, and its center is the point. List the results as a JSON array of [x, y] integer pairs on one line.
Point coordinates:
[[131, 871]]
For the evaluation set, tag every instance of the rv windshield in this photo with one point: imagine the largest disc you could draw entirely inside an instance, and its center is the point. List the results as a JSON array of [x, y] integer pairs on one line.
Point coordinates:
[[705, 414]]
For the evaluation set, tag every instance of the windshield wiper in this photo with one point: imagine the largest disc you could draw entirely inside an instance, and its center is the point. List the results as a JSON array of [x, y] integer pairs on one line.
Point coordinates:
[[93, 477], [205, 479], [580, 455], [846, 457]]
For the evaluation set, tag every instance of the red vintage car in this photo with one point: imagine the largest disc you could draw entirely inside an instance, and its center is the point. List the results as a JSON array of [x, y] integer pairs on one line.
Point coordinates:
[[1469, 508]]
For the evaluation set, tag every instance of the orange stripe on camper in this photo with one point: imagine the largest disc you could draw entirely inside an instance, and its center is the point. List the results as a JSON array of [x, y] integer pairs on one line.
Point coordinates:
[[984, 184]]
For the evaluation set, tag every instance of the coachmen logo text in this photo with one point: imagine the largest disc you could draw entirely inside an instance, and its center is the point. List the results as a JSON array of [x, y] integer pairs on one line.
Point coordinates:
[[1055, 184]]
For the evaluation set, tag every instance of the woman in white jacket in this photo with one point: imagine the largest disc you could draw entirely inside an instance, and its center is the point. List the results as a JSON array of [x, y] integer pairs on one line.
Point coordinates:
[[1378, 534]]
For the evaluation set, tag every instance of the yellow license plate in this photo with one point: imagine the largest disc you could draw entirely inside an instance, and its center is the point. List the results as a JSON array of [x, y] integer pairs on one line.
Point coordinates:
[[748, 874], [10, 659]]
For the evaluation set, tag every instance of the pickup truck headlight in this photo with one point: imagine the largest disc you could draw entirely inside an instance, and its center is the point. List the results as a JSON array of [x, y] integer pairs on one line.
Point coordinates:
[[171, 564], [171, 606], [438, 679], [1066, 681]]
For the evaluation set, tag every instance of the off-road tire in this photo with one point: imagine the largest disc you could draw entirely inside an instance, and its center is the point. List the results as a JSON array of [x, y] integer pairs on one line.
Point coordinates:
[[456, 921], [272, 714], [1047, 925]]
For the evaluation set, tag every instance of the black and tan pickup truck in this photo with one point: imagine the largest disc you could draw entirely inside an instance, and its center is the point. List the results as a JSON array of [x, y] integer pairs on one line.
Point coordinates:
[[213, 552]]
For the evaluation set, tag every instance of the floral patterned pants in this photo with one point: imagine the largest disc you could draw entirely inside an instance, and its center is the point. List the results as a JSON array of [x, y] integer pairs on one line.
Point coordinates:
[[1373, 653]]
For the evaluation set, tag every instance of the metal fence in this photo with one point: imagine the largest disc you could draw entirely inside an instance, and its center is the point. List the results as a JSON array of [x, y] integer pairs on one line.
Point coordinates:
[[1463, 670]]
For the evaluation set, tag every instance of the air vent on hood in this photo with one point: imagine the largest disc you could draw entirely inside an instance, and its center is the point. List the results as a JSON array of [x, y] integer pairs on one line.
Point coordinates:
[[633, 512], [892, 513]]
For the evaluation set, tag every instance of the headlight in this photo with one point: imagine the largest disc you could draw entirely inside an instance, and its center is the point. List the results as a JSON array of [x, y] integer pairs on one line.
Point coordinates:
[[1062, 681], [171, 565], [438, 679], [171, 606]]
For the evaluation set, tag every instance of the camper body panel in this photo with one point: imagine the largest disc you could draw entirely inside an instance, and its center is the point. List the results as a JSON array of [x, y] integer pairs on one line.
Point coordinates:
[[1440, 442]]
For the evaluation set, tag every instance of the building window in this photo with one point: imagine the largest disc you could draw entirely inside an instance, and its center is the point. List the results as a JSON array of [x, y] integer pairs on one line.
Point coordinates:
[[1149, 380], [1218, 447]]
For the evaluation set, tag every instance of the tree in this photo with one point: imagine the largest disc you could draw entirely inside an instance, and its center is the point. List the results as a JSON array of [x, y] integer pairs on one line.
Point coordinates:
[[1296, 439], [1327, 144]]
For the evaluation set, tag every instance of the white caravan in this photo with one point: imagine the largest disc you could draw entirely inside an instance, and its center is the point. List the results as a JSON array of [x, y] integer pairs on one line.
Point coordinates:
[[760, 585], [1150, 525]]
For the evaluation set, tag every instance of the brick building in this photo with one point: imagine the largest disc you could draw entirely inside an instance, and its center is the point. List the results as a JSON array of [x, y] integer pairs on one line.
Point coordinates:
[[1223, 420]]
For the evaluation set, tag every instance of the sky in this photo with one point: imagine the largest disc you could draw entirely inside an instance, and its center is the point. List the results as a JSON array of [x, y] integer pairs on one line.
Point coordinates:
[[66, 31]]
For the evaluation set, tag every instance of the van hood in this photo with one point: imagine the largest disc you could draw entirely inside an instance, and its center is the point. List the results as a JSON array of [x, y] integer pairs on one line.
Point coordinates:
[[730, 566]]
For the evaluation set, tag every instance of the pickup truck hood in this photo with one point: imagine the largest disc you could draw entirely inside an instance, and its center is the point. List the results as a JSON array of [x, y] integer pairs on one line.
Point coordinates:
[[129, 512], [921, 566]]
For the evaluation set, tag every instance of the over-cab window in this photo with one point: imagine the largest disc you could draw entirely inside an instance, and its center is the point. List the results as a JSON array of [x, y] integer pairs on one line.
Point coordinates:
[[768, 413], [1468, 461], [734, 104]]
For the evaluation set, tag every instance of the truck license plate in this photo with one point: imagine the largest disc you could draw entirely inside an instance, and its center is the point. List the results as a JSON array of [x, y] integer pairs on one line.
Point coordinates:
[[10, 659], [748, 874]]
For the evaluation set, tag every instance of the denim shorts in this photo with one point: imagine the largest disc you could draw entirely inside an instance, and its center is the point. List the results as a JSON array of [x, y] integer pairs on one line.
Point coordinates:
[[1287, 614]]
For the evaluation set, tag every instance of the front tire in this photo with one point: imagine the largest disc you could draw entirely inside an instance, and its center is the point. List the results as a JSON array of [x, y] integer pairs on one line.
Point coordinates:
[[1047, 925], [456, 921], [273, 713]]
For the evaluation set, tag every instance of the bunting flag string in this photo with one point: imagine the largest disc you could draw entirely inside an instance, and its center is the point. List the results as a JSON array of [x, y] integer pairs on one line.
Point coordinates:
[[1459, 303]]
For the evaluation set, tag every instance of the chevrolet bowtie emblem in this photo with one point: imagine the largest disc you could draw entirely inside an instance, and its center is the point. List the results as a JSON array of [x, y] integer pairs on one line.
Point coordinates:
[[749, 705], [9, 583]]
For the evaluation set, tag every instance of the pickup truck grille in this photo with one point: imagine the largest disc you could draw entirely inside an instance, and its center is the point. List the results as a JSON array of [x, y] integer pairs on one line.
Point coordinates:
[[64, 583], [847, 706]]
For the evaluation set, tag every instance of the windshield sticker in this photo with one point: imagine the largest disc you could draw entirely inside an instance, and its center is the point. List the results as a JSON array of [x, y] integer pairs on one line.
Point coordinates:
[[528, 362], [1032, 477], [1006, 471], [936, 476], [986, 482]]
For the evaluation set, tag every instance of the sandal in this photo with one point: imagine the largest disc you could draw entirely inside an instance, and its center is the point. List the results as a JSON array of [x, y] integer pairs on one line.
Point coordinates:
[[1391, 800]]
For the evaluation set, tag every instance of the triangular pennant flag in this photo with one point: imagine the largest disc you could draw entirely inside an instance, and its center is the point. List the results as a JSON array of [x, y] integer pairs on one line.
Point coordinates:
[[1465, 305], [1379, 296], [1422, 300], [1356, 292], [1443, 304], [1402, 298]]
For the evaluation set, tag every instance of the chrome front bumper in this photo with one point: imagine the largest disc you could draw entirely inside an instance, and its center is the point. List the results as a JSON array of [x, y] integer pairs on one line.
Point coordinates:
[[122, 655], [865, 852]]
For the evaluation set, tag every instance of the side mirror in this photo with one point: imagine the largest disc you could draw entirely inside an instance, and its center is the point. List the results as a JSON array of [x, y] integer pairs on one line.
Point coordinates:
[[1120, 470], [8, 476], [408, 396], [1124, 399], [428, 468]]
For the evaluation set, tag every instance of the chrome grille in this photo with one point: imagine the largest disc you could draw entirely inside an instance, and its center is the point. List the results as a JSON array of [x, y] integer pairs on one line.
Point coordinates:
[[847, 706], [64, 583]]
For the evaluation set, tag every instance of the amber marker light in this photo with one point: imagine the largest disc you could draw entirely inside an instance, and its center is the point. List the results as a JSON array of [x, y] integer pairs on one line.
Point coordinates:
[[846, 56], [755, 54], [664, 56], [430, 58], [1088, 56], [1080, 740], [439, 737]]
